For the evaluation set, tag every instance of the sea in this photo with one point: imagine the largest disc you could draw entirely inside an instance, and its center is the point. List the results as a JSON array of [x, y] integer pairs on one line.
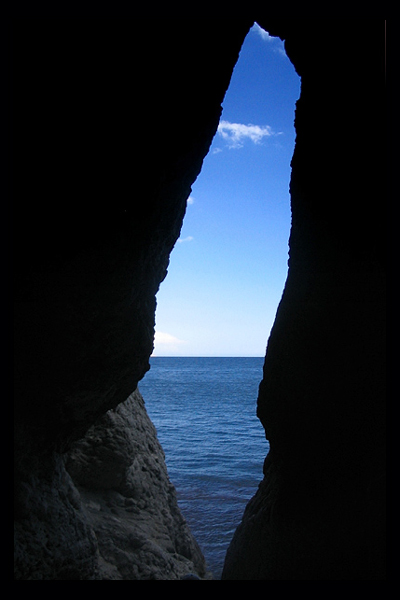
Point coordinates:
[[204, 410]]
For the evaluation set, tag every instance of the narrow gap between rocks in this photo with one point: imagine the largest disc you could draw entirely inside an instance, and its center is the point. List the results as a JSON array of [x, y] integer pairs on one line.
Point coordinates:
[[218, 303]]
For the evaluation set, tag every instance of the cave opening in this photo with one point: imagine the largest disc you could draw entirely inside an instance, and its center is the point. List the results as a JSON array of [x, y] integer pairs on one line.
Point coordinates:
[[237, 221], [88, 268], [218, 302]]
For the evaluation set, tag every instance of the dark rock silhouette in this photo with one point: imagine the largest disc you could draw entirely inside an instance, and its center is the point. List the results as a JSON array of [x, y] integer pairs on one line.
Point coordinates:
[[111, 121], [319, 513]]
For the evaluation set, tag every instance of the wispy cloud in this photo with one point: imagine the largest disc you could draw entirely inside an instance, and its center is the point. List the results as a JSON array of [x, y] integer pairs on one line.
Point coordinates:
[[236, 133], [160, 337], [165, 342], [276, 43], [190, 200], [189, 238], [262, 33]]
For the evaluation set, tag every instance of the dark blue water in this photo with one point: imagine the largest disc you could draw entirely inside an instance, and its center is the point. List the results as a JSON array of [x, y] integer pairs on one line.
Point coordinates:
[[204, 410]]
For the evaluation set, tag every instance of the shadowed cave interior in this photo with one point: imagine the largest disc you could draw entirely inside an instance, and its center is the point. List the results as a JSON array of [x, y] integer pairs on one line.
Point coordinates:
[[95, 222]]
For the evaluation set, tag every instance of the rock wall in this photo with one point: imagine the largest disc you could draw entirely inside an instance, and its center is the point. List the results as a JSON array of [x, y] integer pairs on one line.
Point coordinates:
[[112, 514], [112, 119], [53, 539], [119, 470], [319, 512]]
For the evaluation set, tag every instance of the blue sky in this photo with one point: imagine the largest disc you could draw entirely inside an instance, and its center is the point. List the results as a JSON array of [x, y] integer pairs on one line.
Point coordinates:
[[229, 266]]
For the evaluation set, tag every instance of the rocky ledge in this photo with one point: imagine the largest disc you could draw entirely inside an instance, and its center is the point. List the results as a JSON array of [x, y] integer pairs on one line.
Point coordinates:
[[130, 503]]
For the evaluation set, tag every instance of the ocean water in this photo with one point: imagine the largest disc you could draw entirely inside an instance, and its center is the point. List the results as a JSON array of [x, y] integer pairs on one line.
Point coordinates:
[[204, 410]]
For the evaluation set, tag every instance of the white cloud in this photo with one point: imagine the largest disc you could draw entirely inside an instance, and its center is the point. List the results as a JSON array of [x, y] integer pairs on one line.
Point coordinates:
[[189, 238], [262, 33], [166, 343], [235, 133], [190, 200], [277, 44], [160, 337]]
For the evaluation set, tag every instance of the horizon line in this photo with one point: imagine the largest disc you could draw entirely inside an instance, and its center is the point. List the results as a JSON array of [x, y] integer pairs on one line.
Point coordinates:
[[209, 356]]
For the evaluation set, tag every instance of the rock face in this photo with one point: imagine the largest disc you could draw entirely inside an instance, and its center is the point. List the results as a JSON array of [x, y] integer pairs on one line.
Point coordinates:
[[53, 539], [131, 505], [112, 119], [319, 512], [117, 520]]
